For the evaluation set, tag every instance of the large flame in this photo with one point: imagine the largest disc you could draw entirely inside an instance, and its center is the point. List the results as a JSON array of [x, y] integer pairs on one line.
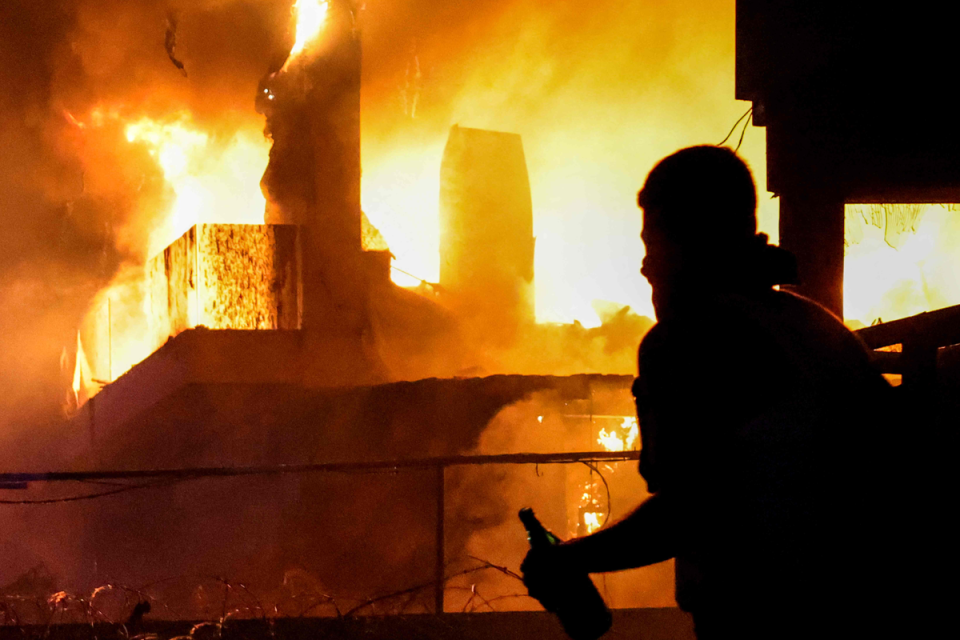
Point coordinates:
[[900, 261], [311, 15], [213, 180]]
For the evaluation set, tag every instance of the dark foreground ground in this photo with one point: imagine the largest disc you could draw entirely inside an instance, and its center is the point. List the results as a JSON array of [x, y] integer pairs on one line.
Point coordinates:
[[649, 624]]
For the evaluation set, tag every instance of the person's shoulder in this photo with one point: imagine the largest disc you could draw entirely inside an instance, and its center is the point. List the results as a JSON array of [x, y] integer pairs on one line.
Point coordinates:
[[813, 333], [812, 315]]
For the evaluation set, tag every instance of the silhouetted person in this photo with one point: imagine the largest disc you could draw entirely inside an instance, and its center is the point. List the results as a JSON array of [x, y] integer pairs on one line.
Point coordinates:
[[758, 414]]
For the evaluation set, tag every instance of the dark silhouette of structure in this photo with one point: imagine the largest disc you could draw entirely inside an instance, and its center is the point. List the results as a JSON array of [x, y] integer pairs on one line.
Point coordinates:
[[853, 101]]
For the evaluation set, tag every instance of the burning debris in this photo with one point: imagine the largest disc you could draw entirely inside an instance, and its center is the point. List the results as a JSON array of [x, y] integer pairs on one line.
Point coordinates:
[[170, 42]]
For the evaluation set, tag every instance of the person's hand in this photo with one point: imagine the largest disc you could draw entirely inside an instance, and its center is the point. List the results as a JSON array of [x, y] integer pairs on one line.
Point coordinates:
[[542, 570]]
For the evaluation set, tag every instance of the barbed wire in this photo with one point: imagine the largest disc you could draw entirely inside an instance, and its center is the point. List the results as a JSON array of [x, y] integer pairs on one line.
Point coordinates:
[[64, 607]]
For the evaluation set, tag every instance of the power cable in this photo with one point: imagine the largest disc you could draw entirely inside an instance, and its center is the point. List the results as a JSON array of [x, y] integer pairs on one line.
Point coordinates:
[[744, 132], [91, 496], [407, 273], [163, 477], [746, 113]]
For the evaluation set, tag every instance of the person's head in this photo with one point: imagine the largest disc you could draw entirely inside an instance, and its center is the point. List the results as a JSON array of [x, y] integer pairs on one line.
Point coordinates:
[[699, 222]]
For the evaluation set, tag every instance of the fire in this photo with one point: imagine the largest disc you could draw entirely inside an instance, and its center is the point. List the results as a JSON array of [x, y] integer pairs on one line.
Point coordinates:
[[620, 438], [213, 180], [311, 16], [899, 261], [591, 521], [591, 514], [208, 177], [81, 375]]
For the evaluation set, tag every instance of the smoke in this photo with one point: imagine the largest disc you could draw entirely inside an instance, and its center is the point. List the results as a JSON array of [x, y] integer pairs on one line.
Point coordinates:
[[598, 91], [76, 200]]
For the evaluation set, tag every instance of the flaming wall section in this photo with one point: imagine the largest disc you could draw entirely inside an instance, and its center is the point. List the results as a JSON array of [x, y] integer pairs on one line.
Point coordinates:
[[248, 276], [220, 276]]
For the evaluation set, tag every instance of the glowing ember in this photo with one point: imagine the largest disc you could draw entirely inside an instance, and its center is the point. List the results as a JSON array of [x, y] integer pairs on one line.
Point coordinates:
[[592, 521], [311, 16]]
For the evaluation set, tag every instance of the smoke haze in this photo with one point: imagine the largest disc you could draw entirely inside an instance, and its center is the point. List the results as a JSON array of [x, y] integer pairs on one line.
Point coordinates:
[[599, 92]]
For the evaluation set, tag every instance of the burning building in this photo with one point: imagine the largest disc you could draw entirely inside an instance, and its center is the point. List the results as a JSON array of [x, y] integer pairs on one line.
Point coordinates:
[[286, 343]]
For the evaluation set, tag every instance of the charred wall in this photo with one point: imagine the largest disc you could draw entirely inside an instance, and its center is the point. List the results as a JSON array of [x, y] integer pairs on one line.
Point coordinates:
[[219, 276]]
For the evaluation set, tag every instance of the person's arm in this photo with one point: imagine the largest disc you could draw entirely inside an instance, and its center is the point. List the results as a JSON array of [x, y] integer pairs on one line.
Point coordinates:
[[646, 536]]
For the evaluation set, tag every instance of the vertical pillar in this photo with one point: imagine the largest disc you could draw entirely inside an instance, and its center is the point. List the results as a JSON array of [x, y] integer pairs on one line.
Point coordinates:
[[441, 561], [811, 227], [486, 232], [312, 107]]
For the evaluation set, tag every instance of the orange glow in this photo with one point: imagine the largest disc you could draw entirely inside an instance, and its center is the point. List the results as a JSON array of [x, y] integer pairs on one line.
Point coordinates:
[[77, 371], [621, 437], [595, 116], [311, 16], [900, 261]]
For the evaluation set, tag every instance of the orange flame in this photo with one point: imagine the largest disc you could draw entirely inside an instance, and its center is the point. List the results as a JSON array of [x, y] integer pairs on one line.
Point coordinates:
[[620, 438], [592, 521], [212, 178], [311, 16], [81, 375]]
